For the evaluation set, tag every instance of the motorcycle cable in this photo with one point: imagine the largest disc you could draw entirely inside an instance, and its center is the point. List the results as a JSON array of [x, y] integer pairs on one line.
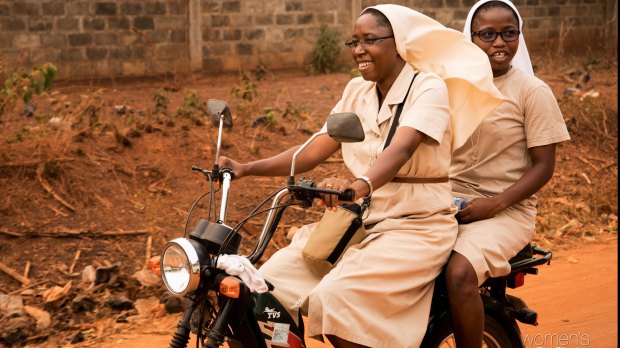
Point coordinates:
[[211, 203], [242, 222], [235, 230], [205, 306]]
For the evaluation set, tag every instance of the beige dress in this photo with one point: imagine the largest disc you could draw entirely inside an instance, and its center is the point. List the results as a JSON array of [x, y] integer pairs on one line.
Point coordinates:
[[493, 159], [379, 294]]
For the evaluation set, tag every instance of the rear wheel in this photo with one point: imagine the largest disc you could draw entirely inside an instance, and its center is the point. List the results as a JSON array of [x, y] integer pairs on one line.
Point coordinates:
[[494, 335]]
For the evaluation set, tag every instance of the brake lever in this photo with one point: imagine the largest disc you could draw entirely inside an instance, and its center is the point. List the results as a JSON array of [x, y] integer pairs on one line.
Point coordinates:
[[202, 171]]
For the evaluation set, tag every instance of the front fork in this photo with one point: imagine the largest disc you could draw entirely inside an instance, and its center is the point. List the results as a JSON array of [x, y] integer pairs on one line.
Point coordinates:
[[181, 336], [215, 336]]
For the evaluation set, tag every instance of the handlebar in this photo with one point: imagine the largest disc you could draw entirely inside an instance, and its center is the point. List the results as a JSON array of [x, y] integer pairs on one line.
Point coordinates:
[[217, 173], [305, 190]]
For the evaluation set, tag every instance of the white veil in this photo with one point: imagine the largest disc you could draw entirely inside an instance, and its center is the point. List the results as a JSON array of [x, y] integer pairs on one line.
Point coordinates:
[[429, 46], [521, 59]]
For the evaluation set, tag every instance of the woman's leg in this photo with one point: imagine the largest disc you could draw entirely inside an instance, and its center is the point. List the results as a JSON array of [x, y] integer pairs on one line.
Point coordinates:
[[465, 302]]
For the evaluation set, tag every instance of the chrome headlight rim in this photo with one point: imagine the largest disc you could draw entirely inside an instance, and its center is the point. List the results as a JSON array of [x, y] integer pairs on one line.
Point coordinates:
[[193, 261]]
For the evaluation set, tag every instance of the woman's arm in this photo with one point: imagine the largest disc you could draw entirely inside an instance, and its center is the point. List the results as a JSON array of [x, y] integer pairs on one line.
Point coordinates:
[[543, 165], [320, 149], [404, 143]]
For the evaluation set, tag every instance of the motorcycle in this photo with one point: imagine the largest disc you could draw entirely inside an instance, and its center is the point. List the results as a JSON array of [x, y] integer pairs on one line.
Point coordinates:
[[223, 309]]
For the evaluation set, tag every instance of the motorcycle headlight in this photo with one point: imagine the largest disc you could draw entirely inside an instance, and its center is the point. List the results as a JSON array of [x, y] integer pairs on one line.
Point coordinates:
[[180, 265]]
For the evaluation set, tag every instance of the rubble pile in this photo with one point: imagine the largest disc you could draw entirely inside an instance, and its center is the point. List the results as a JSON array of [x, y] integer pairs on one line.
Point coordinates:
[[37, 311]]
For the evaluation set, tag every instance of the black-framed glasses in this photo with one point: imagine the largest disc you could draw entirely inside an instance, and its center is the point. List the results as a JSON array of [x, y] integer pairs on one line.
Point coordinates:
[[367, 41], [491, 35]]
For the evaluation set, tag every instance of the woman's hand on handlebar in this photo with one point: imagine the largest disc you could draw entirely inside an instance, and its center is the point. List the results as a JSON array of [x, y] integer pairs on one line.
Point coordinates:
[[336, 184], [237, 168]]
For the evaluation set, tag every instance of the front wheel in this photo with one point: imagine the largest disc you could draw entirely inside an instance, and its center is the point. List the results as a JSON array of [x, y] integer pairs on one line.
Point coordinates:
[[495, 335]]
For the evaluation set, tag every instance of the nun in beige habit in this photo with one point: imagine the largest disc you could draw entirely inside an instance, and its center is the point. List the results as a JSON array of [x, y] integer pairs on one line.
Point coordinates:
[[379, 294]]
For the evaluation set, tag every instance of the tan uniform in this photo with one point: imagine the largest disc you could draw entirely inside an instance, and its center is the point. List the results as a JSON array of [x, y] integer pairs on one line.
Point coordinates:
[[493, 159], [379, 294]]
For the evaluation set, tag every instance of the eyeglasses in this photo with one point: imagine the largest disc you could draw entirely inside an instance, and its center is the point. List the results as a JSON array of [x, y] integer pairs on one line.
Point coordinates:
[[491, 35], [367, 41]]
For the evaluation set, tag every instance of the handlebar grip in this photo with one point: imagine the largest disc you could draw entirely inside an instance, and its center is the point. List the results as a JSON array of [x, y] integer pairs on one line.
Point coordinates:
[[227, 170], [347, 195]]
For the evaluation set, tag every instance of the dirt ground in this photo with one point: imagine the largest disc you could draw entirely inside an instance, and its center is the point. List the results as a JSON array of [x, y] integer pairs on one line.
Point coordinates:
[[100, 175]]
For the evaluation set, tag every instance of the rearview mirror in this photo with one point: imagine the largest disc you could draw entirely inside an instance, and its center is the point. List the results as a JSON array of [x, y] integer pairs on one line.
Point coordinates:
[[216, 109], [345, 127]]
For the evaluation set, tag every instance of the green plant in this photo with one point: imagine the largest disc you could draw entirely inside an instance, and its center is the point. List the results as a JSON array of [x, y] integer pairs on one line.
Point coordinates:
[[294, 110], [193, 106], [270, 118], [260, 72], [326, 51], [247, 91], [25, 86], [161, 101]]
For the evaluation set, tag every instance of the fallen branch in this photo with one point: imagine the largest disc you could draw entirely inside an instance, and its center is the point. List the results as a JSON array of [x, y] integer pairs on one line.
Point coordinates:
[[149, 242], [49, 189], [8, 270], [612, 164], [33, 163], [27, 269], [588, 163], [120, 183], [75, 259], [122, 233], [28, 287], [70, 233], [58, 211], [12, 234], [586, 177]]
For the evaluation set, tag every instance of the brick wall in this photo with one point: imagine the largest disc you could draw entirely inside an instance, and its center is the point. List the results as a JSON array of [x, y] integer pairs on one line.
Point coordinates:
[[152, 37], [96, 38]]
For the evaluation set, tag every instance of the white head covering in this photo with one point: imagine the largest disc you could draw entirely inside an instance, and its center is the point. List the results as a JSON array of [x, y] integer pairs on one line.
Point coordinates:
[[429, 46], [521, 59]]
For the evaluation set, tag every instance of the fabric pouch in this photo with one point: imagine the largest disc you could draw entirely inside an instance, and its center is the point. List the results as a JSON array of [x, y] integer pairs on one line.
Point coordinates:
[[336, 231]]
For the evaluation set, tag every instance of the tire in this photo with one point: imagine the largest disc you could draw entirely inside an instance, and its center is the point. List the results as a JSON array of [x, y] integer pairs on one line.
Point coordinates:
[[440, 335]]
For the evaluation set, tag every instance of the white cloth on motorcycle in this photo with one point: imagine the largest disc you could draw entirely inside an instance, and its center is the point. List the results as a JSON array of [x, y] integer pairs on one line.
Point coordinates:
[[241, 267]]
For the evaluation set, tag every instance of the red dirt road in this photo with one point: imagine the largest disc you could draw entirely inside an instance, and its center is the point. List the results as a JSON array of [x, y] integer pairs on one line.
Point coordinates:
[[576, 298]]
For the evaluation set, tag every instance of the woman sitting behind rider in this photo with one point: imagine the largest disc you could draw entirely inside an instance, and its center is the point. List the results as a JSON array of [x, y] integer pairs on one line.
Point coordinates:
[[499, 169], [386, 280]]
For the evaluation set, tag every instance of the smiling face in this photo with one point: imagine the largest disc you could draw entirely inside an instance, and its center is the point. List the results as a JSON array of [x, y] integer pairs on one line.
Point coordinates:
[[500, 52], [378, 62]]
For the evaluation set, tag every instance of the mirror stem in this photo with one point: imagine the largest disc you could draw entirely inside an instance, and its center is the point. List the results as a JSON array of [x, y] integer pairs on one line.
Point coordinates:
[[291, 178], [216, 166]]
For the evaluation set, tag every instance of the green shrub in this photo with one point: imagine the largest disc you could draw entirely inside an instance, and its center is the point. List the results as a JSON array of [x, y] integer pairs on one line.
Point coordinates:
[[161, 101], [326, 51], [25, 86], [248, 89], [193, 107]]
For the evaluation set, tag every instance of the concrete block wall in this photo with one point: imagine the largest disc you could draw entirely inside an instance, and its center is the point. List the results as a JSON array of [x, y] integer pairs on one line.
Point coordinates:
[[114, 38], [96, 38], [277, 33]]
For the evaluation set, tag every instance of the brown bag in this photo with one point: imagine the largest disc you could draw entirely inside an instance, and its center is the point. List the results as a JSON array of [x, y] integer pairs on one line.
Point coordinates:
[[334, 234]]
